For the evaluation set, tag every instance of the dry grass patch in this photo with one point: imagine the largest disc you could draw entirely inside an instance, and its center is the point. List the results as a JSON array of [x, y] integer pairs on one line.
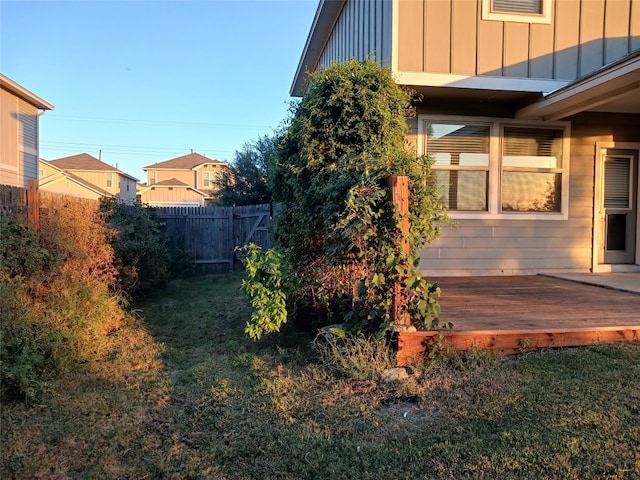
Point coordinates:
[[195, 399]]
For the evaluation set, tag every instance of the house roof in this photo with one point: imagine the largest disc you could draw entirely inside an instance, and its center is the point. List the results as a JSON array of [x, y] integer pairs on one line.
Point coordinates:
[[612, 88], [60, 174], [171, 183], [185, 162], [18, 90], [86, 162], [325, 18]]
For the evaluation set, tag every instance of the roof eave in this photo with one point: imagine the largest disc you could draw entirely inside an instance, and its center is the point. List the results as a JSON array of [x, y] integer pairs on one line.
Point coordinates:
[[20, 91], [324, 20], [611, 81]]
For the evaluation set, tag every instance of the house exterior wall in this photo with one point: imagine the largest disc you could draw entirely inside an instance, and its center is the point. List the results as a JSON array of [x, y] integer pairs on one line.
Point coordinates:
[[18, 140], [127, 188], [64, 186], [163, 196], [451, 37], [363, 29], [119, 182], [213, 170], [185, 176], [513, 247]]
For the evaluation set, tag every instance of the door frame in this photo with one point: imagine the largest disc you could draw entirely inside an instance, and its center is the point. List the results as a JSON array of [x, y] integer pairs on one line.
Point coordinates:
[[598, 233]]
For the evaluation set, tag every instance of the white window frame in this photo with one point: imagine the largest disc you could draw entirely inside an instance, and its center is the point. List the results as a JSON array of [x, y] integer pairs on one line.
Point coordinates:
[[109, 181], [495, 165], [488, 13], [207, 179], [153, 177]]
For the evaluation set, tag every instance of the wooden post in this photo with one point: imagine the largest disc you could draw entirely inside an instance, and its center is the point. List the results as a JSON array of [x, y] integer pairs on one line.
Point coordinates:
[[33, 204], [400, 198]]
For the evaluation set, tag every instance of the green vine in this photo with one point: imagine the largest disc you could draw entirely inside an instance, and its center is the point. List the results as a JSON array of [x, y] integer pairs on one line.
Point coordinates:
[[264, 286]]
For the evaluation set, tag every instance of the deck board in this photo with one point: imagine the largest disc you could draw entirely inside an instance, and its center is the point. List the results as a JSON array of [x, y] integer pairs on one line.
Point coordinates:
[[512, 314]]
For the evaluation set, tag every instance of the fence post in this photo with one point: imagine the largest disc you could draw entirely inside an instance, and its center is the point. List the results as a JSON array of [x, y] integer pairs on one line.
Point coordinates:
[[400, 198], [33, 204]]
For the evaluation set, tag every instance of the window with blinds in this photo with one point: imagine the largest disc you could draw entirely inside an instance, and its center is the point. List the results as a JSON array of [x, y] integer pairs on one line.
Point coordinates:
[[461, 164], [617, 182], [497, 167], [517, 6], [524, 11], [531, 169]]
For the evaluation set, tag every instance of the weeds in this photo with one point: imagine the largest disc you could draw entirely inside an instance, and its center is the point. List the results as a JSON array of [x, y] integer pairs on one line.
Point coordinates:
[[182, 393], [356, 355]]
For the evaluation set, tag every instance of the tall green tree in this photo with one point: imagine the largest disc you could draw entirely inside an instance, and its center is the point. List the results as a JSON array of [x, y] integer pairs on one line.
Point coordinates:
[[338, 228], [246, 183]]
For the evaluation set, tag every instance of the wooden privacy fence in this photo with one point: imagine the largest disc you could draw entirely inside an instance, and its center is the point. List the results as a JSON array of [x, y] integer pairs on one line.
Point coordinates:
[[211, 234]]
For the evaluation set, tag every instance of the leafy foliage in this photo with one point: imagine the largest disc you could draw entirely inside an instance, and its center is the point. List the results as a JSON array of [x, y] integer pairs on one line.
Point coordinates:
[[264, 288], [246, 183], [142, 257], [338, 227], [56, 300]]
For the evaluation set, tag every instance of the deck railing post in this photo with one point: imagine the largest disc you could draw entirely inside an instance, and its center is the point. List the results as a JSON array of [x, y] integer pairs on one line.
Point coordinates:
[[400, 197]]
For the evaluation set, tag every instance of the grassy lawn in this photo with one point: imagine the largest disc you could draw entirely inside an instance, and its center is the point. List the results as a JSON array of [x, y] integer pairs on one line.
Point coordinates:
[[187, 396]]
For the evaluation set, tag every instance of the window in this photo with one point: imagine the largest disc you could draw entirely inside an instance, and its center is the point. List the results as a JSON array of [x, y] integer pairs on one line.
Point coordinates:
[[527, 11], [531, 169], [461, 164], [109, 180], [497, 168], [208, 179], [153, 177]]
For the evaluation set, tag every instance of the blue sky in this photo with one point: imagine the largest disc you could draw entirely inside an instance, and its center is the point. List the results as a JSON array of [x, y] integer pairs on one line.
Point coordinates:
[[147, 81]]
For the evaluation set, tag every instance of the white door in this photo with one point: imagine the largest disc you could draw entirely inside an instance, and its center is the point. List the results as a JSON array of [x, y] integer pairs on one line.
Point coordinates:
[[619, 206]]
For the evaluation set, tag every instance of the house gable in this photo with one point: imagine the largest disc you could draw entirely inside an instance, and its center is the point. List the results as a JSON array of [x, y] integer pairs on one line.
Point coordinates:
[[98, 173], [19, 135]]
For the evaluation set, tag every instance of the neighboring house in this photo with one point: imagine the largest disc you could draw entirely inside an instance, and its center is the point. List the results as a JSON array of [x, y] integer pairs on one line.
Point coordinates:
[[186, 180], [56, 180], [19, 133], [96, 173], [530, 110], [172, 192]]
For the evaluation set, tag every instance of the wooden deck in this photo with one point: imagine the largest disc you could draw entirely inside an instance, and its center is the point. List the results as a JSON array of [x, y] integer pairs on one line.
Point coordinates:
[[514, 314]]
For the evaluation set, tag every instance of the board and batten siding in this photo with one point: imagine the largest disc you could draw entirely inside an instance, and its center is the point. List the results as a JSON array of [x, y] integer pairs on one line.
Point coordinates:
[[363, 30], [450, 36], [185, 176], [172, 196], [515, 247]]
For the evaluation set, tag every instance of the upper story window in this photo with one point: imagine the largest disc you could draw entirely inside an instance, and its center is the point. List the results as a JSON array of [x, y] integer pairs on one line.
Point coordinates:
[[153, 177], [527, 11], [109, 180], [497, 168], [208, 179]]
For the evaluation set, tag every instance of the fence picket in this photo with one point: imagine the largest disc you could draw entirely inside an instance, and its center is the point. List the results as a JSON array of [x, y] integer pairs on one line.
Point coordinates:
[[212, 234]]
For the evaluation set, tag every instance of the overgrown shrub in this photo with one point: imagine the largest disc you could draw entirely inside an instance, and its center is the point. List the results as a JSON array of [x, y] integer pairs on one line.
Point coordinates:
[[338, 228], [57, 303], [142, 257]]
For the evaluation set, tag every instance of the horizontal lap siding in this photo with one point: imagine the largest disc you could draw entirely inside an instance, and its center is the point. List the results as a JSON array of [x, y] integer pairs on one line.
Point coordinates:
[[450, 36], [510, 247]]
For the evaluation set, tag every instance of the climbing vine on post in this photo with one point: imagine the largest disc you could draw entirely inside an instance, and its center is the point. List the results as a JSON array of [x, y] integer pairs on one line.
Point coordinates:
[[338, 229]]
